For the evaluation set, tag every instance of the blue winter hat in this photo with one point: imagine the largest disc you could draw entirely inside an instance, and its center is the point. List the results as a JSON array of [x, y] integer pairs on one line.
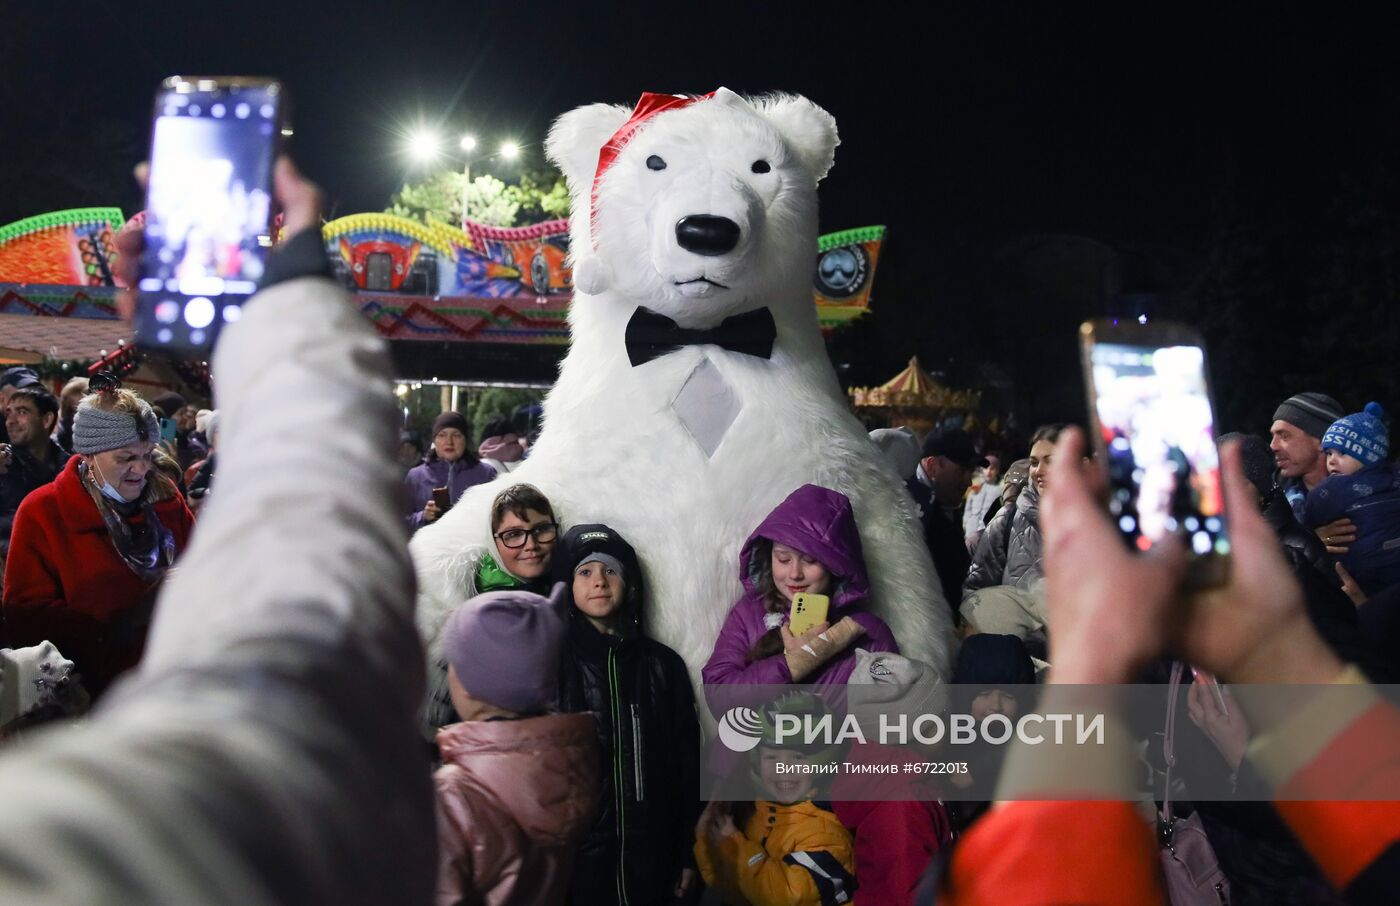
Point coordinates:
[[1362, 435]]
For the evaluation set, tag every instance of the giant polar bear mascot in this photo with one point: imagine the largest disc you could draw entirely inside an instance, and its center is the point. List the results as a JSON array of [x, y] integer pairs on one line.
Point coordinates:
[[699, 210]]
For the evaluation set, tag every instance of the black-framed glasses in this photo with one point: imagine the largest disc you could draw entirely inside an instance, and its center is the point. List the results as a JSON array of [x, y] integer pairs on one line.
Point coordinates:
[[543, 533]]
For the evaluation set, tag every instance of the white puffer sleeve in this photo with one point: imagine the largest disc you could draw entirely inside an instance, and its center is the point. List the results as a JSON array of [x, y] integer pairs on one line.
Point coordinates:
[[265, 751]]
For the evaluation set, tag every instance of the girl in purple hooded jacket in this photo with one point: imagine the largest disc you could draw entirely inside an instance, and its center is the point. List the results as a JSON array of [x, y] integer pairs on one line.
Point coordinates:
[[808, 543]]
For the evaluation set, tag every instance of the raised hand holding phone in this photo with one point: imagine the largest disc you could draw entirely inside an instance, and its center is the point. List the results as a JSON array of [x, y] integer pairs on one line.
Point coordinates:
[[1154, 429], [299, 198], [208, 210]]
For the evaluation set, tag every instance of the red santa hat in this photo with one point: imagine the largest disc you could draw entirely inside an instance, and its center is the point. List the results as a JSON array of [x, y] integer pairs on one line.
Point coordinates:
[[647, 107]]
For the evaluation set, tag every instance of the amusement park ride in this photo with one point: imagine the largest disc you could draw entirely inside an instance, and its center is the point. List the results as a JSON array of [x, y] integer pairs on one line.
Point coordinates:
[[480, 304]]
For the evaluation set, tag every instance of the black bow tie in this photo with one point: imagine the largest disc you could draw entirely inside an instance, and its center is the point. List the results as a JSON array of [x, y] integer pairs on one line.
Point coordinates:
[[651, 334]]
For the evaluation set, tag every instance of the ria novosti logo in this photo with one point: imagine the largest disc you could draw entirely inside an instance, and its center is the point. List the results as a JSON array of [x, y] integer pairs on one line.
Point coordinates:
[[740, 729]]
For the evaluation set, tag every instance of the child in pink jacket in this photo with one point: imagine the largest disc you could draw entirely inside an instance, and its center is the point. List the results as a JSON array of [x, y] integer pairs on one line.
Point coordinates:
[[518, 786]]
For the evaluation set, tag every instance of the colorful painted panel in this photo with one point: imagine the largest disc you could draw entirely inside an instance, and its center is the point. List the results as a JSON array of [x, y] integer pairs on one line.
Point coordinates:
[[63, 301], [412, 281], [381, 253], [535, 253], [845, 273], [72, 247], [463, 319]]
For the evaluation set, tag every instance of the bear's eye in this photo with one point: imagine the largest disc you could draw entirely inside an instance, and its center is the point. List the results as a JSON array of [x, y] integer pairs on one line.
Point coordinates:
[[760, 166], [655, 163]]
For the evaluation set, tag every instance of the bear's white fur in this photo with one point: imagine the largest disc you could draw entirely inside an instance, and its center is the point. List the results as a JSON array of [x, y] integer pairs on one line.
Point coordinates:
[[614, 451]]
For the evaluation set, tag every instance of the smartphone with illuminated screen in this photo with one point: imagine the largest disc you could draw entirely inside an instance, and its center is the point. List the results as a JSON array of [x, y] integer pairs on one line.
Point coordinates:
[[214, 141], [1154, 428]]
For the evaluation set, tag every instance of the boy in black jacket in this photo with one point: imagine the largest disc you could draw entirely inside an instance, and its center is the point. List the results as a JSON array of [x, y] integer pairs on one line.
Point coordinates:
[[638, 851]]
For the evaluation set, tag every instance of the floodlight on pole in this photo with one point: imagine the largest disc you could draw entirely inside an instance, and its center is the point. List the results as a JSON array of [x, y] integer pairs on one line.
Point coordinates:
[[510, 150], [423, 145], [468, 145]]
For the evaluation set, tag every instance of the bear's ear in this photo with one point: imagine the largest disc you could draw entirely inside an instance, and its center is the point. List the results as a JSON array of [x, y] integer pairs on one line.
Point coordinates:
[[730, 99], [576, 138], [809, 129]]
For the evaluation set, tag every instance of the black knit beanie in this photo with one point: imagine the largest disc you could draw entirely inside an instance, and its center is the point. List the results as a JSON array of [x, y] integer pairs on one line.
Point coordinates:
[[451, 420]]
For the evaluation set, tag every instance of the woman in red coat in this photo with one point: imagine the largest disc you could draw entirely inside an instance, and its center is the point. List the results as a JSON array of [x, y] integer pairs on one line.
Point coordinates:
[[89, 550]]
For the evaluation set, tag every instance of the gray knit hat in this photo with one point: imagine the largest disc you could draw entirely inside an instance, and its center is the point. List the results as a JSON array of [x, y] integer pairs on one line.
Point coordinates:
[[505, 647], [900, 447], [607, 560], [97, 430], [1313, 413]]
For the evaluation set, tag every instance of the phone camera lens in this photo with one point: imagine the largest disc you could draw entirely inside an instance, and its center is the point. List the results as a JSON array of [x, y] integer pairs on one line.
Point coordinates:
[[168, 312], [199, 312]]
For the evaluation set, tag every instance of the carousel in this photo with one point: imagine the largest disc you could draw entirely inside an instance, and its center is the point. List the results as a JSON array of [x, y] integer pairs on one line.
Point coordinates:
[[913, 398]]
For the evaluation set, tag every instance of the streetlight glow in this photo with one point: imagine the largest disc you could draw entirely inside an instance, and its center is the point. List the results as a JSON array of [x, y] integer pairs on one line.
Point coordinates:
[[510, 150], [468, 143], [423, 145]]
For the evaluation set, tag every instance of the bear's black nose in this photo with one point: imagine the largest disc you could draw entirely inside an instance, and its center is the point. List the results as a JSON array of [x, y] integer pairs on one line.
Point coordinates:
[[706, 234]]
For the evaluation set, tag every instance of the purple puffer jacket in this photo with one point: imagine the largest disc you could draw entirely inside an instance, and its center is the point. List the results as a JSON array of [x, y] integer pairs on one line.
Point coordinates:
[[820, 523], [438, 473]]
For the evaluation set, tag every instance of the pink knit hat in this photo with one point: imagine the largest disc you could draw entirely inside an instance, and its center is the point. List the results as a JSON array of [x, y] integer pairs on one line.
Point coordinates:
[[502, 448]]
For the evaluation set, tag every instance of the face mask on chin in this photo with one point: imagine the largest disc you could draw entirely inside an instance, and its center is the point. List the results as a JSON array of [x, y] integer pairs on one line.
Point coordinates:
[[107, 490]]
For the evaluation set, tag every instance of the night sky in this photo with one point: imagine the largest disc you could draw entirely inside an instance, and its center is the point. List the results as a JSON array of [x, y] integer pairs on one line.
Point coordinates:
[[964, 130]]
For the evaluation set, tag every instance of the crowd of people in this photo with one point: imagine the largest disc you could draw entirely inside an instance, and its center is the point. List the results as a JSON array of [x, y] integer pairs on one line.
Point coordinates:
[[97, 493], [273, 738]]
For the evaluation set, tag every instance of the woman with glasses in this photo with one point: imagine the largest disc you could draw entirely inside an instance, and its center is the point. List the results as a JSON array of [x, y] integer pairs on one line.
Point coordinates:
[[523, 524], [524, 529], [90, 549]]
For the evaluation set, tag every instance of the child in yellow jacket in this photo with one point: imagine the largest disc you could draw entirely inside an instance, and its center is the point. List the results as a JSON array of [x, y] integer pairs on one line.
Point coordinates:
[[791, 851]]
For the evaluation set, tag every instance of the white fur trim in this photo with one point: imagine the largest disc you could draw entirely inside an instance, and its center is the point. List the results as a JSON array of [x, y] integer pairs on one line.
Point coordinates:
[[590, 275]]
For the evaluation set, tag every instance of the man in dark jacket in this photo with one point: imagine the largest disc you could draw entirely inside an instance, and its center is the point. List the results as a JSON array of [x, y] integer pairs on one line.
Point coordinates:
[[639, 848], [942, 477], [1295, 437], [32, 458], [12, 379], [1332, 614]]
